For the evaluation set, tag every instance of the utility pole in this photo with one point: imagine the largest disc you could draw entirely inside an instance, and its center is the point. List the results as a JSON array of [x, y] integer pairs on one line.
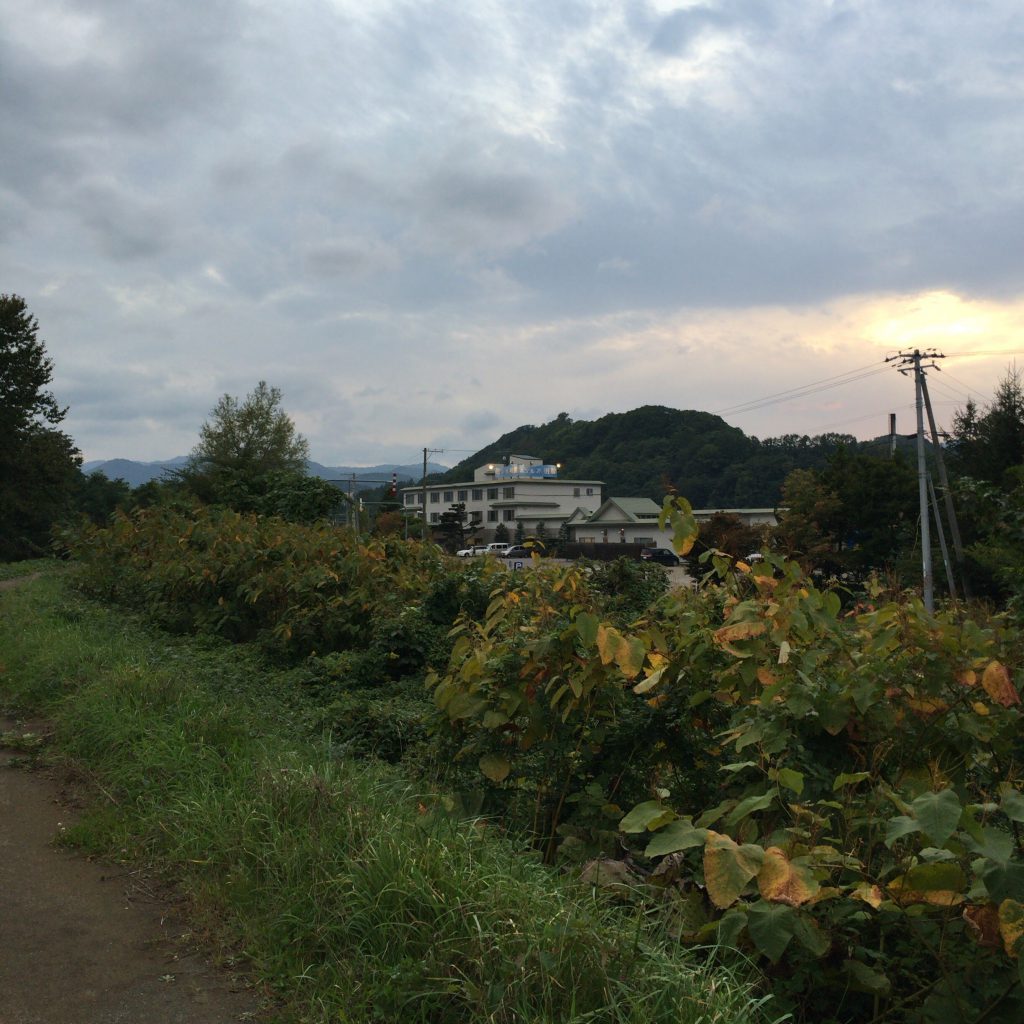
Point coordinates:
[[426, 452], [947, 494], [911, 362]]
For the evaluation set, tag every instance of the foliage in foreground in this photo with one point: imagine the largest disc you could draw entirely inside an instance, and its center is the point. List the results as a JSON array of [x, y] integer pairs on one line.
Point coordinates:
[[355, 898], [863, 835], [837, 792]]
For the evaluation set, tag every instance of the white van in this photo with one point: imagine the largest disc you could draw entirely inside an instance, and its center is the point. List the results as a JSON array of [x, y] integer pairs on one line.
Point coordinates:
[[497, 548]]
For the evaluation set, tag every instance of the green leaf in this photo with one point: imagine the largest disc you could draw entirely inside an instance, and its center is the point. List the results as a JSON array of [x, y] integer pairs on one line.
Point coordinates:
[[1011, 802], [938, 814], [675, 836], [730, 927], [849, 779], [898, 827], [791, 779], [810, 936], [771, 927], [738, 766], [866, 979], [647, 817], [495, 766], [993, 844], [586, 627], [1004, 882], [748, 806], [494, 719]]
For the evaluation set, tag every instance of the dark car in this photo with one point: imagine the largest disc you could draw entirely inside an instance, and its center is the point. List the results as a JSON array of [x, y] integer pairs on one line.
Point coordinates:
[[660, 555], [518, 551]]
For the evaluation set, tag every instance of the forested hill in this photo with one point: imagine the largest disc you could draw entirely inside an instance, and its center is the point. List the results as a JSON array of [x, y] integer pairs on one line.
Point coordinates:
[[642, 452]]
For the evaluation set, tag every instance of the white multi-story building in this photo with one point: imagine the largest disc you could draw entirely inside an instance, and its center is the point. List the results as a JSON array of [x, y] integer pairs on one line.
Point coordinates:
[[521, 489]]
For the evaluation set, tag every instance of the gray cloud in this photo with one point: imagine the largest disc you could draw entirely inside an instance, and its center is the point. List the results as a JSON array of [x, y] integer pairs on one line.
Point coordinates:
[[374, 197]]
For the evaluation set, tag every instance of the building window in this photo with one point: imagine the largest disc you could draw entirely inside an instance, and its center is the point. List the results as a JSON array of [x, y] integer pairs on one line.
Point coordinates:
[[435, 497], [410, 499], [508, 493], [647, 542], [508, 514], [478, 494], [449, 497], [435, 517], [462, 495], [575, 492], [590, 490], [492, 515], [419, 497], [492, 492]]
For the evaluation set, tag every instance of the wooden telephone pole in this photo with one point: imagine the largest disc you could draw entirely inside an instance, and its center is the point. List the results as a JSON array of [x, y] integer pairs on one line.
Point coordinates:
[[917, 362]]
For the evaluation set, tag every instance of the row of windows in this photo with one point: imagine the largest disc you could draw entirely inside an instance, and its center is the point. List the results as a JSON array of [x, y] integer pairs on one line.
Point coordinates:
[[449, 497], [477, 494]]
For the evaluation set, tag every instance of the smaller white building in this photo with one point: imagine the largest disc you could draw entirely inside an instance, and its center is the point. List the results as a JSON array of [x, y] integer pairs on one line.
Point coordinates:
[[635, 521], [622, 520]]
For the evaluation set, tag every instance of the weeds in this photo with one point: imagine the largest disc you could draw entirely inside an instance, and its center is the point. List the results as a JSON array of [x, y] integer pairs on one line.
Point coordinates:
[[356, 897]]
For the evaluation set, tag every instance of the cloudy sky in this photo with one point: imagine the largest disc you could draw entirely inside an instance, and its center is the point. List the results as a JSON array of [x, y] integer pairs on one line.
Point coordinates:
[[431, 222]]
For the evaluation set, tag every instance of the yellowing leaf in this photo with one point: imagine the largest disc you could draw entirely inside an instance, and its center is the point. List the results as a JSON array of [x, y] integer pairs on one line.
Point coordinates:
[[870, 894], [968, 678], [1011, 925], [739, 631], [728, 867], [766, 677], [743, 567], [926, 706], [650, 682], [608, 640], [997, 684], [782, 881], [938, 884], [979, 708]]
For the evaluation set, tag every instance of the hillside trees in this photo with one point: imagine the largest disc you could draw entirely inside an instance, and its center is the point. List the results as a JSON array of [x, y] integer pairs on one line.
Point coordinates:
[[987, 452], [859, 512], [38, 463]]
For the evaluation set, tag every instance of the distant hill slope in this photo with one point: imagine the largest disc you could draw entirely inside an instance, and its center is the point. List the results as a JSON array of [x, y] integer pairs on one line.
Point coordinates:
[[644, 452], [138, 473]]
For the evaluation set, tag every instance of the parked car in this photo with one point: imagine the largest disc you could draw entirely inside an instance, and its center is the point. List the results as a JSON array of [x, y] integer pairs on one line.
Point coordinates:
[[497, 548], [520, 551], [660, 555], [476, 549]]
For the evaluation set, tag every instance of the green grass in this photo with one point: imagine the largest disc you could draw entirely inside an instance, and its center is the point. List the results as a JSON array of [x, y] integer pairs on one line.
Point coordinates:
[[355, 900]]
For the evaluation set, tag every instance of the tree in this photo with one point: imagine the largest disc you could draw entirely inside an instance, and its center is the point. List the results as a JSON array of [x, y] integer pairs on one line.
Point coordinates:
[[246, 451], [986, 445], [38, 464], [501, 533]]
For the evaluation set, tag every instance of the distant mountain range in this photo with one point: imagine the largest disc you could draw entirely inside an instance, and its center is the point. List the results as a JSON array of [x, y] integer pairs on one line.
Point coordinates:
[[137, 473]]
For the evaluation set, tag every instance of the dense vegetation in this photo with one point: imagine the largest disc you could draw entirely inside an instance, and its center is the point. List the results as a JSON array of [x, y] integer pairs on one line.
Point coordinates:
[[650, 450], [357, 897], [835, 790]]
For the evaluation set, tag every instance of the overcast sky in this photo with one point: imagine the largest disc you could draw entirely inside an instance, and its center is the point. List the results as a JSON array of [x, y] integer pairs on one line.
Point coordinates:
[[431, 222]]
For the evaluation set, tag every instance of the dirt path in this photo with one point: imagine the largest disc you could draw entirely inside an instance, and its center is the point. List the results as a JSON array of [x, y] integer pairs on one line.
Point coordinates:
[[82, 942]]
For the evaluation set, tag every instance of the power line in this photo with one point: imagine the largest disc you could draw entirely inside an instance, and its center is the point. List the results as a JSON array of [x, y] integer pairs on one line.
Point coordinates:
[[788, 391], [806, 391]]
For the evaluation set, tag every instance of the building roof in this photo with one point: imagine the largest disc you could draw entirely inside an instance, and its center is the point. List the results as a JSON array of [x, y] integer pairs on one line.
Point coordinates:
[[627, 510]]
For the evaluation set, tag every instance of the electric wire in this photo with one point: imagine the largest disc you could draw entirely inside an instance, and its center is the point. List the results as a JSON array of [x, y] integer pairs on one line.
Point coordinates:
[[792, 391], [804, 392]]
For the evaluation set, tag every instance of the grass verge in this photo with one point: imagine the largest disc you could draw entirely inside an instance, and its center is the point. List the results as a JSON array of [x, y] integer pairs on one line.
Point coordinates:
[[351, 898]]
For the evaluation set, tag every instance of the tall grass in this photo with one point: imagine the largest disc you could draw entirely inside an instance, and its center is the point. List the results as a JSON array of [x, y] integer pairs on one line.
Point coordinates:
[[353, 897]]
